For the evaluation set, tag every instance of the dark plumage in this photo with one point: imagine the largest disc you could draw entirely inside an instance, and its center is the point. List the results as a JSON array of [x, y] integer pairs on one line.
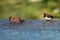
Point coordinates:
[[48, 16]]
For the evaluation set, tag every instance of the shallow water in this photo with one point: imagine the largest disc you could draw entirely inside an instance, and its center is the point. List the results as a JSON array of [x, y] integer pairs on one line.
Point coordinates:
[[30, 30]]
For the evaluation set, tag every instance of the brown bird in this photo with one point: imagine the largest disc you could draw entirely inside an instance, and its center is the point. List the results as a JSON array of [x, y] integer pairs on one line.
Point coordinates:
[[48, 17], [15, 20]]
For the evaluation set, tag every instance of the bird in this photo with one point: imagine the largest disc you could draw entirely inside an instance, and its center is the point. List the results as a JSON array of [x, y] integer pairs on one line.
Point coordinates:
[[15, 20], [48, 17]]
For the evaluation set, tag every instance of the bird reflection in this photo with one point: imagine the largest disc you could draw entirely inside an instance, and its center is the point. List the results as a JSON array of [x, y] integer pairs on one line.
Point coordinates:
[[47, 23]]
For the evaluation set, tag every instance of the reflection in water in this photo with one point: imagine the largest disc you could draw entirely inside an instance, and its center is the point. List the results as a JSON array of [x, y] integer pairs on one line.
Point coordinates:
[[19, 25], [48, 22], [31, 24]]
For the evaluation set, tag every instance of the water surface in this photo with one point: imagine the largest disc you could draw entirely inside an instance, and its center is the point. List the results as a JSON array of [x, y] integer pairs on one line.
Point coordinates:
[[30, 30]]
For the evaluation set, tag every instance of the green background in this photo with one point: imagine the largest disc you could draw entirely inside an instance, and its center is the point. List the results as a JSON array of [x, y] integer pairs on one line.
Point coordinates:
[[29, 10]]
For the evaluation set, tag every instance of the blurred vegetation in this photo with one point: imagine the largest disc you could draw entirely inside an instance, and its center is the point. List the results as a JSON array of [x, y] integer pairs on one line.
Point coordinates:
[[29, 9]]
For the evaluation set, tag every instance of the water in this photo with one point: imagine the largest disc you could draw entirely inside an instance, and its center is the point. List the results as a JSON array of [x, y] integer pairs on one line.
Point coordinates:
[[30, 30]]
